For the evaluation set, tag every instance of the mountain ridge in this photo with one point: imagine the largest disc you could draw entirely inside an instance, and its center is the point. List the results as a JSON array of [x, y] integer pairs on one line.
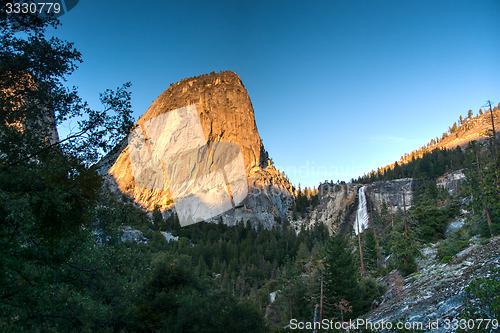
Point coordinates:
[[469, 129]]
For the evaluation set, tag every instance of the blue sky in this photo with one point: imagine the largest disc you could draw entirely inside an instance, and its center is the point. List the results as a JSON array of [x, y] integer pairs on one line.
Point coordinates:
[[338, 87]]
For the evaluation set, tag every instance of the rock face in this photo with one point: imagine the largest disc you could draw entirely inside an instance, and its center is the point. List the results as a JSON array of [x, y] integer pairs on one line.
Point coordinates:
[[451, 181], [391, 192], [169, 237], [224, 108], [226, 115], [437, 291], [132, 235], [270, 196], [336, 201]]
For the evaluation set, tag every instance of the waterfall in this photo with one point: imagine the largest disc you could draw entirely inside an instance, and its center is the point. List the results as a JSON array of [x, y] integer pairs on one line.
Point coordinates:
[[362, 213]]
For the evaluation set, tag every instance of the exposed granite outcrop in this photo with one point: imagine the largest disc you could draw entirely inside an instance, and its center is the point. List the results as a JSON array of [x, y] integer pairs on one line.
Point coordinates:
[[391, 192], [132, 235], [476, 128], [451, 181], [437, 291], [336, 201], [226, 115]]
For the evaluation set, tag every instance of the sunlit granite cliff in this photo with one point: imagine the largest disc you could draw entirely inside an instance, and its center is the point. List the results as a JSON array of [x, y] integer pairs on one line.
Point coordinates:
[[226, 115]]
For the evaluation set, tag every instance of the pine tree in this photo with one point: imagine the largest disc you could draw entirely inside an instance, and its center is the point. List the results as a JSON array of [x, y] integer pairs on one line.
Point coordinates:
[[371, 251], [303, 254], [158, 221], [341, 276], [481, 185], [404, 252]]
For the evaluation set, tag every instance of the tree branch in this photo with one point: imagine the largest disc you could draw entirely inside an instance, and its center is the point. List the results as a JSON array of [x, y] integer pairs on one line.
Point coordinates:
[[79, 134]]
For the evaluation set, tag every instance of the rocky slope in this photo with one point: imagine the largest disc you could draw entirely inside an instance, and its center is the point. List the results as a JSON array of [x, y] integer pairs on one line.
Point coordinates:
[[473, 129], [226, 114], [436, 291]]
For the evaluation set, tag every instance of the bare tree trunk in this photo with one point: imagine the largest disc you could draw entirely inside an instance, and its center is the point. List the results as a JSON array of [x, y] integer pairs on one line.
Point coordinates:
[[321, 299], [486, 212], [406, 225], [360, 251], [493, 127], [314, 317], [376, 243], [497, 176], [404, 208]]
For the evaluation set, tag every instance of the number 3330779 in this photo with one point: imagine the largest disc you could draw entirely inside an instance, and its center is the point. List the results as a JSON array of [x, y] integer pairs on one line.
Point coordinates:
[[33, 8]]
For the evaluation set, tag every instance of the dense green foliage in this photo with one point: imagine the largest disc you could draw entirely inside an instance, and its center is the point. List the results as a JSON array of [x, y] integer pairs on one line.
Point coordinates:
[[305, 201], [245, 257], [483, 188], [348, 294], [483, 303], [456, 241], [340, 263], [387, 238], [432, 209]]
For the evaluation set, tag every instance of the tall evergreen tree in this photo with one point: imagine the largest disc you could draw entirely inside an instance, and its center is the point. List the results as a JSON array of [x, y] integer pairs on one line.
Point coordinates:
[[341, 275], [371, 250]]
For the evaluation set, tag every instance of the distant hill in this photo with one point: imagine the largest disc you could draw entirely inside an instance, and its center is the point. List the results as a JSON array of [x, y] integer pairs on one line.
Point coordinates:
[[465, 130]]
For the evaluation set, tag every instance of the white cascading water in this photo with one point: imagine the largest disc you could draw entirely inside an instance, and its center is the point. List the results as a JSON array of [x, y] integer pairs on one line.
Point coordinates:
[[362, 218]]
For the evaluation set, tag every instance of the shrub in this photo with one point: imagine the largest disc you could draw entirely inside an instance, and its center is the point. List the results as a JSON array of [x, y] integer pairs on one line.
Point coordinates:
[[446, 259]]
